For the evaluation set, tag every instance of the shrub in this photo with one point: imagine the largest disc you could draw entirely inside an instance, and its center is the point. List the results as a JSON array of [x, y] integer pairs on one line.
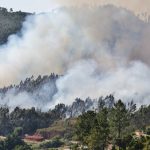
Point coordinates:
[[52, 144]]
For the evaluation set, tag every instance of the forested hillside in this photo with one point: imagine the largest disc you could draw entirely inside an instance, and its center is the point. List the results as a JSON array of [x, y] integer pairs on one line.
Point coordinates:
[[10, 23], [108, 125], [40, 112], [113, 128]]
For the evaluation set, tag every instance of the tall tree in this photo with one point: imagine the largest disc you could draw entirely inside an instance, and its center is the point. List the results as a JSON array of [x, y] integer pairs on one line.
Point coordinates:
[[85, 124], [5, 125], [119, 121], [98, 140]]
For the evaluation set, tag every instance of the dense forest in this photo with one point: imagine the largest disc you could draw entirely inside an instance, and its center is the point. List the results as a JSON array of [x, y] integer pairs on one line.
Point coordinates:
[[99, 123], [113, 123], [10, 23], [114, 126]]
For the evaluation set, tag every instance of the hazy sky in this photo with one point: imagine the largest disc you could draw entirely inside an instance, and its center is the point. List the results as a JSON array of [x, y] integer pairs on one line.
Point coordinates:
[[47, 5], [29, 5]]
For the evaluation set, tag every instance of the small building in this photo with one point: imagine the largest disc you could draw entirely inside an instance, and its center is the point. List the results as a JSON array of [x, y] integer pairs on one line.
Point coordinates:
[[35, 138], [139, 133]]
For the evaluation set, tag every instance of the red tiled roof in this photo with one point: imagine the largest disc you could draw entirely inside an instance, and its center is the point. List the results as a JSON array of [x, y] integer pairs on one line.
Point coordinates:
[[34, 137]]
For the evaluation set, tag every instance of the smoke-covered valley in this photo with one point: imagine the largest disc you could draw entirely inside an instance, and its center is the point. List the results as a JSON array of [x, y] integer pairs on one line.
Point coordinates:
[[97, 51]]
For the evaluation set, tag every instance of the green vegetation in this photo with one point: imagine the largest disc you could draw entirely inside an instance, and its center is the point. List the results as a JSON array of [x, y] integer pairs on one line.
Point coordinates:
[[29, 120], [60, 128], [113, 126], [55, 143], [10, 23], [109, 125], [13, 142], [112, 123]]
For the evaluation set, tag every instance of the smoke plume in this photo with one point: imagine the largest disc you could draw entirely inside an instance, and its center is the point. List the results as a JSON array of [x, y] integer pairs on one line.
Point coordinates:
[[99, 51], [136, 6]]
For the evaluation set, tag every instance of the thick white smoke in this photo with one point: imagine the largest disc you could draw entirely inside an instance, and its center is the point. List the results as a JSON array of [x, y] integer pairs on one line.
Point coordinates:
[[128, 83], [100, 51]]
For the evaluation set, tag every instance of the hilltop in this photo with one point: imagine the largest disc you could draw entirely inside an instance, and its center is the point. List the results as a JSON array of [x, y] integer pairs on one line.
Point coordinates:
[[10, 23]]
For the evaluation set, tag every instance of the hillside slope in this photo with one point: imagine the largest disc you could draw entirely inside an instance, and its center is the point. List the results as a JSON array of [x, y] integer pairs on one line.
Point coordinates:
[[10, 23]]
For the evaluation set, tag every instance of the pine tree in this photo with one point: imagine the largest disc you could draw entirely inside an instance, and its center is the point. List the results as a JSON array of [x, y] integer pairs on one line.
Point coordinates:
[[99, 135], [85, 124], [119, 121]]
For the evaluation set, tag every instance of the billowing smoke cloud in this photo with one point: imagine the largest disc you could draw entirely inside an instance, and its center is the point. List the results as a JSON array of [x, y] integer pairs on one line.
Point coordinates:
[[99, 51], [135, 5], [125, 82]]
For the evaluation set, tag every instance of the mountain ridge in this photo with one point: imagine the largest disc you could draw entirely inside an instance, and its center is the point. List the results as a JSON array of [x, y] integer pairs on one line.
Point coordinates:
[[10, 23]]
